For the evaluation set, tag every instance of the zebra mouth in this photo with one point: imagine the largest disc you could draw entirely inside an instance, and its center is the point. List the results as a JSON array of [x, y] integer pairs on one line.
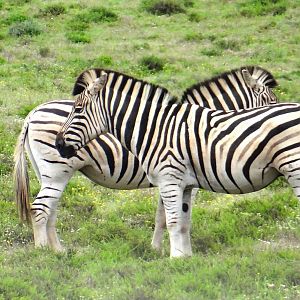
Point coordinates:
[[64, 150]]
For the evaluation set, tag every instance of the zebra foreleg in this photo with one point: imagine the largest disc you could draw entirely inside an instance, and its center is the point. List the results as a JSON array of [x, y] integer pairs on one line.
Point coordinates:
[[177, 204], [160, 225], [160, 219]]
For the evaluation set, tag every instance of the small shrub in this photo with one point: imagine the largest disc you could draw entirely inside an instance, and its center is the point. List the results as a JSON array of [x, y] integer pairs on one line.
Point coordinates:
[[77, 24], [44, 51], [2, 60], [78, 37], [163, 7], [152, 63], [54, 10], [194, 37], [196, 17], [188, 3], [103, 60], [14, 18], [228, 44], [262, 7], [100, 14], [27, 27], [211, 52]]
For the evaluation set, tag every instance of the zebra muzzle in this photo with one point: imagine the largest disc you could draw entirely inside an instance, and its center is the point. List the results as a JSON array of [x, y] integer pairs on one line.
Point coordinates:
[[63, 149]]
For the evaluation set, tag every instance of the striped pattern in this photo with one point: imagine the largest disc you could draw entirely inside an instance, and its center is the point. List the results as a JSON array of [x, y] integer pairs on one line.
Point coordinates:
[[182, 146], [246, 87], [103, 160]]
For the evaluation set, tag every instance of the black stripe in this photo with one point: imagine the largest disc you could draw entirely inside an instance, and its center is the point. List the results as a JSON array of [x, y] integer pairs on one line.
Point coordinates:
[[273, 132], [136, 166], [109, 156], [174, 114], [55, 111], [56, 162], [199, 149], [131, 121], [88, 150], [45, 143], [124, 164]]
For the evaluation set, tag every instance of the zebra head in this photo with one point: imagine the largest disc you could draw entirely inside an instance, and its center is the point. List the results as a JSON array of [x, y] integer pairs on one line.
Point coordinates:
[[84, 122], [260, 87]]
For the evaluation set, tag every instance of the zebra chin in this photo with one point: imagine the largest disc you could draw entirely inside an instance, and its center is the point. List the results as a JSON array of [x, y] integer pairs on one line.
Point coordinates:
[[64, 150]]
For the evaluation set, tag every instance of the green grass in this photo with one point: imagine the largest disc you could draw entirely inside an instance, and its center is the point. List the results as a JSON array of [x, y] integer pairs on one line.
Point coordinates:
[[245, 247]]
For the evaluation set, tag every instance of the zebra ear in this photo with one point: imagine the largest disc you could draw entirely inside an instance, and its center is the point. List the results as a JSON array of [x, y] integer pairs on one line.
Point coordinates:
[[249, 80], [98, 84]]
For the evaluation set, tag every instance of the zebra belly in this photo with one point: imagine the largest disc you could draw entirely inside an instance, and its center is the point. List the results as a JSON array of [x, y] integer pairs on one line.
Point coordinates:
[[236, 182]]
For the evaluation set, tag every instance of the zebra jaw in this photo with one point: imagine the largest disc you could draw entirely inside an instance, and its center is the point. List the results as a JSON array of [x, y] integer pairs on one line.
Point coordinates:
[[64, 150]]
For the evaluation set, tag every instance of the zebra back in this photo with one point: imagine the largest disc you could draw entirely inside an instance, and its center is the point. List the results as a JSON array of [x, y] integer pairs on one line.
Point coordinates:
[[232, 91], [88, 77]]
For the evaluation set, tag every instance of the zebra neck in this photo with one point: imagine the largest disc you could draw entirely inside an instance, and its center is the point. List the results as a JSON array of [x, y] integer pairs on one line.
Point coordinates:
[[152, 126]]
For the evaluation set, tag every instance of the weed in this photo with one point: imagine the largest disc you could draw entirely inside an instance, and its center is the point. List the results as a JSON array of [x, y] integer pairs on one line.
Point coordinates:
[[228, 44], [196, 17], [78, 37], [262, 7], [15, 18], [44, 51], [152, 63], [211, 51], [194, 37], [54, 9], [103, 61], [27, 27], [99, 14], [163, 7], [77, 24]]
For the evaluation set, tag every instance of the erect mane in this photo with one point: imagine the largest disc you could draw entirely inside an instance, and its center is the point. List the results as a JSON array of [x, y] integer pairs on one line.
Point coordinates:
[[263, 77], [88, 76]]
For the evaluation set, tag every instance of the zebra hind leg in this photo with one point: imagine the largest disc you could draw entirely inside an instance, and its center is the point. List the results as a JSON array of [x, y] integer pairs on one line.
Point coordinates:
[[291, 172], [43, 212], [177, 204]]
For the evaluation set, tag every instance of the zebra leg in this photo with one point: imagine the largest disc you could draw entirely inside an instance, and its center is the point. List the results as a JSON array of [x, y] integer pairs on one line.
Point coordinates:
[[53, 238], [160, 225], [291, 172], [43, 212], [177, 204]]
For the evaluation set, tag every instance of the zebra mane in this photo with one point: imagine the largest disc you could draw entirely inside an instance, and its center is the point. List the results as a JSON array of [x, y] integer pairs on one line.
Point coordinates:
[[88, 76], [262, 76]]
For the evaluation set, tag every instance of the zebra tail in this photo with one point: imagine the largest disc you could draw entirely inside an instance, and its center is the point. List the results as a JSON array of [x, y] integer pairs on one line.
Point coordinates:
[[21, 179]]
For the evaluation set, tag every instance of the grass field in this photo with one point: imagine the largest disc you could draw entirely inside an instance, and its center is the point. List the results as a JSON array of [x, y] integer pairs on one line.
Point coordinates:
[[245, 247]]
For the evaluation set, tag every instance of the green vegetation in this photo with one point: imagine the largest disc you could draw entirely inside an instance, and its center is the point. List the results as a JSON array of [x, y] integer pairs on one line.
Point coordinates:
[[27, 27], [245, 247], [152, 63], [163, 7]]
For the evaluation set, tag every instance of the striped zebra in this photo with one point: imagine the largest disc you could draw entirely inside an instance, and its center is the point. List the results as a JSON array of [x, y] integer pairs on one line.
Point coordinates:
[[104, 160], [185, 146]]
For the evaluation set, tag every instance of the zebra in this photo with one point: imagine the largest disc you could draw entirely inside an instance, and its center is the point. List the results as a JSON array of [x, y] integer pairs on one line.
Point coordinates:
[[185, 146], [104, 160]]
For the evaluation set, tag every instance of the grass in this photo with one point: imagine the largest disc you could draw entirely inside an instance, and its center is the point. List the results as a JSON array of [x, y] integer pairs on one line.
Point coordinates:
[[245, 247]]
